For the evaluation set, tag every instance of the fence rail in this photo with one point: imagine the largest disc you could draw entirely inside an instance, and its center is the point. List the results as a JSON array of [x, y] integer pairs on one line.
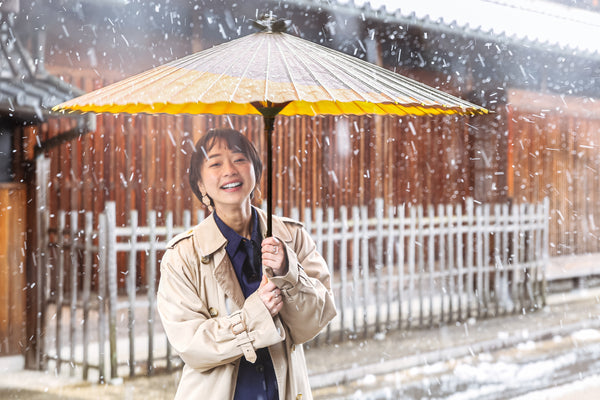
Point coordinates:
[[404, 267]]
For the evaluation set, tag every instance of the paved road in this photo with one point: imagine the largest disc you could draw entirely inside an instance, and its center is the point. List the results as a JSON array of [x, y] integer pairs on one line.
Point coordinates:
[[499, 358]]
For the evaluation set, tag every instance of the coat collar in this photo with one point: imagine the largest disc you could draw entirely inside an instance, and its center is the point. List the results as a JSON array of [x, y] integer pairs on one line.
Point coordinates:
[[208, 238], [280, 231], [211, 243]]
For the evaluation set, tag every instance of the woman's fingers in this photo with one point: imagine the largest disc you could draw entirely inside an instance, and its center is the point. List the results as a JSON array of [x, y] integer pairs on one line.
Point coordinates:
[[271, 297], [273, 255]]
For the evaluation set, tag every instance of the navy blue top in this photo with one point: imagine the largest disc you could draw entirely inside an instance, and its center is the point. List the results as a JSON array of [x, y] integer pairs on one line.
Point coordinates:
[[255, 381]]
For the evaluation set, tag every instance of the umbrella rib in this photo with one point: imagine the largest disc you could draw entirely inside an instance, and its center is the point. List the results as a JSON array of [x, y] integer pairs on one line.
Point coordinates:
[[288, 71], [397, 82], [324, 61], [394, 82], [231, 64], [244, 73], [315, 78], [267, 70], [336, 76], [141, 80], [351, 63], [146, 79]]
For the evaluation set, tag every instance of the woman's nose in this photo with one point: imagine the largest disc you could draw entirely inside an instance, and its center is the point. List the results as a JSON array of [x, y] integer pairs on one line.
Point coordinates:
[[229, 168]]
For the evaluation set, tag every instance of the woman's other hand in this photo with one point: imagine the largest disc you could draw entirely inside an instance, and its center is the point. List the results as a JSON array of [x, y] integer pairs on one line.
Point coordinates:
[[273, 256], [270, 296]]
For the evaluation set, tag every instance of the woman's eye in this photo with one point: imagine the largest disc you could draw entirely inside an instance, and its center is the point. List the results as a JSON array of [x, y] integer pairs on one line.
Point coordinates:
[[214, 165]]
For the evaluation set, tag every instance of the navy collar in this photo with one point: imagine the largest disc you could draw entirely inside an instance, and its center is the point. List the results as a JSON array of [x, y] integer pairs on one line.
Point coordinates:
[[233, 238]]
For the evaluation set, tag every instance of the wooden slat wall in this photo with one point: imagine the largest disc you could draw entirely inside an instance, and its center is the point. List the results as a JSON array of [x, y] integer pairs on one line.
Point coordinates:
[[13, 230], [556, 154]]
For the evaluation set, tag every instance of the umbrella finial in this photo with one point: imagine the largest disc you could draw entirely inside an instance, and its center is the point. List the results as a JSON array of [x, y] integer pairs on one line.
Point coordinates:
[[270, 23]]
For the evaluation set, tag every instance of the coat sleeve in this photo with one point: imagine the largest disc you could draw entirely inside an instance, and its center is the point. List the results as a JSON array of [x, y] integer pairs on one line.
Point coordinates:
[[204, 342], [308, 300]]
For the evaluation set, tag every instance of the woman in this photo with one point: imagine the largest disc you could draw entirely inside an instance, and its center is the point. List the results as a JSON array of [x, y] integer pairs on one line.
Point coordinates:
[[239, 326]]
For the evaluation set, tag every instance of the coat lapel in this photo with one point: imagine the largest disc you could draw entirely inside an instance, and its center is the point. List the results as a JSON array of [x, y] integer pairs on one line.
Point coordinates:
[[226, 278], [211, 243]]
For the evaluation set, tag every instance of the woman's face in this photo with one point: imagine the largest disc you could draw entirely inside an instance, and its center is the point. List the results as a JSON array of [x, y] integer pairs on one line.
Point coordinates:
[[227, 176]]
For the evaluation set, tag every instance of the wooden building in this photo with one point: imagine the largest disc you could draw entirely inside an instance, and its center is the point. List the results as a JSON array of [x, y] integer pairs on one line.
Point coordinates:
[[541, 140]]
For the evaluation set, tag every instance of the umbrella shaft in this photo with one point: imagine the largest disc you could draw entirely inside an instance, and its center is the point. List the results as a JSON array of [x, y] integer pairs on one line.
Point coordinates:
[[269, 124]]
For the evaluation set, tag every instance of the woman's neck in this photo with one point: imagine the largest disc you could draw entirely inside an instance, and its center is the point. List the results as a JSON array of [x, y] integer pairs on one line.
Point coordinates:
[[238, 219]]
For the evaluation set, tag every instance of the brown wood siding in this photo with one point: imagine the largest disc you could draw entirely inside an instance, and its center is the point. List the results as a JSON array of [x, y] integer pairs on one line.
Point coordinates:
[[13, 226], [553, 151]]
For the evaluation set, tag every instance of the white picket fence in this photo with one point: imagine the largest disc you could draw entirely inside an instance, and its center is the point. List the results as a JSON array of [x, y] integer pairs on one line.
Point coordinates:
[[404, 267]]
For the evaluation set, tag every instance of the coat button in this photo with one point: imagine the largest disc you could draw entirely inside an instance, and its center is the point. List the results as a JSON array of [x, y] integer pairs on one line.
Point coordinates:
[[293, 347], [213, 313], [205, 260]]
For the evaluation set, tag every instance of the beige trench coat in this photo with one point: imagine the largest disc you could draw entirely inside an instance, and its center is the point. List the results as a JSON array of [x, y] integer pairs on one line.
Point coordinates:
[[211, 326]]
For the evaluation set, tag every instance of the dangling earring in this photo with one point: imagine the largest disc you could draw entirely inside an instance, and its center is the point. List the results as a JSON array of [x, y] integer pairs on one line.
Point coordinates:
[[257, 196], [206, 200]]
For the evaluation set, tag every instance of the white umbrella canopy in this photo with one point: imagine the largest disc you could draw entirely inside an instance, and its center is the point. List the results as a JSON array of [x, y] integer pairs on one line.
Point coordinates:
[[269, 73]]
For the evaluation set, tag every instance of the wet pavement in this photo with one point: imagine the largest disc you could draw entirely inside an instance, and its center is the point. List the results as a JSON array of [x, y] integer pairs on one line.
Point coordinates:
[[550, 354]]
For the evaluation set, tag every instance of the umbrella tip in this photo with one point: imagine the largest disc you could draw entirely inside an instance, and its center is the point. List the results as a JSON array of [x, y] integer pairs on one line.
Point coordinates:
[[269, 23]]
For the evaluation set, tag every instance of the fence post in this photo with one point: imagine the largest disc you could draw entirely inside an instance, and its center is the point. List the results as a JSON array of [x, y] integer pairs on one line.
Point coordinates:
[[131, 287], [355, 266], [74, 233], [60, 286], [421, 261], [460, 262], [42, 172], [470, 267], [379, 210], [364, 252], [479, 237], [431, 258], [169, 226], [451, 232], [411, 262], [401, 250], [111, 270], [102, 262], [545, 244], [330, 258], [444, 275], [390, 265], [87, 286], [151, 282], [343, 269]]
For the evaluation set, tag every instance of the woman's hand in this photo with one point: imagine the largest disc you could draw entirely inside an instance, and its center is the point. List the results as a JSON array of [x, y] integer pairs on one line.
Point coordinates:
[[273, 256], [270, 296]]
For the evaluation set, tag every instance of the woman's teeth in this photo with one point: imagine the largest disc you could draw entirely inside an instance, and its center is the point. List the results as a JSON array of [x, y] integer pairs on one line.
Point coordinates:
[[231, 185]]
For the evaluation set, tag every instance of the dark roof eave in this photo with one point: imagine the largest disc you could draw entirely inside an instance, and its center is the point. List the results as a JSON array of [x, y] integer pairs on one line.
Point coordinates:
[[387, 17], [27, 115]]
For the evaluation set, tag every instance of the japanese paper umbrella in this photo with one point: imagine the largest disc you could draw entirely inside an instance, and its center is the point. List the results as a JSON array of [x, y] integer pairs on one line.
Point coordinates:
[[269, 73]]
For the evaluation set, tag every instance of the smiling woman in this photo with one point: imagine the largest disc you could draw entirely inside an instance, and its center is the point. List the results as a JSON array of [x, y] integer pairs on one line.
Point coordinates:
[[226, 158], [237, 305]]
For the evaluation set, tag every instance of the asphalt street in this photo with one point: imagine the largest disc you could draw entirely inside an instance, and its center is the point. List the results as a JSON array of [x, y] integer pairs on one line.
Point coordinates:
[[552, 354]]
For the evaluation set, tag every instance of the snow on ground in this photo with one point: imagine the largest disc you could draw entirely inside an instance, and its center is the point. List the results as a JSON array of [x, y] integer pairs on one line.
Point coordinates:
[[584, 389]]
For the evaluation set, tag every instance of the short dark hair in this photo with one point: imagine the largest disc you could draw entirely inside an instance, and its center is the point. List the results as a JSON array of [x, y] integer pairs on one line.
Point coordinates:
[[234, 140]]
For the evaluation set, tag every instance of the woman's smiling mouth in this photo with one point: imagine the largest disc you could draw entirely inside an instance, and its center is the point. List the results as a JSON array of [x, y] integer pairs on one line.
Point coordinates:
[[231, 185]]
